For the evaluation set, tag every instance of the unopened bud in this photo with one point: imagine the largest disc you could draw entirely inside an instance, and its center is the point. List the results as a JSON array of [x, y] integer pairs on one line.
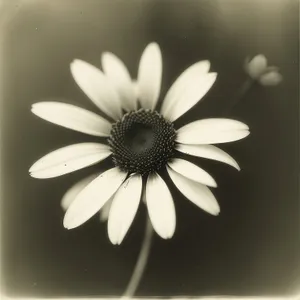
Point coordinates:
[[257, 68]]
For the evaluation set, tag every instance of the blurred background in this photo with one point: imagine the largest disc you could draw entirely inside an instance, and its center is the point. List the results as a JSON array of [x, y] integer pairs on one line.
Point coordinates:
[[251, 248]]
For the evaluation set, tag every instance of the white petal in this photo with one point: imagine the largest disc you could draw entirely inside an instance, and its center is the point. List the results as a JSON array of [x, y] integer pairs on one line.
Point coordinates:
[[190, 95], [192, 171], [104, 212], [118, 74], [72, 117], [196, 192], [257, 66], [74, 190], [270, 78], [69, 159], [210, 152], [124, 208], [97, 87], [135, 88], [160, 206], [212, 131], [91, 199], [149, 76], [197, 70]]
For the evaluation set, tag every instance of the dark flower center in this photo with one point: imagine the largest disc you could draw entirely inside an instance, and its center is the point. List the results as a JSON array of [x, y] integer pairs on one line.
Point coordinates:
[[142, 142]]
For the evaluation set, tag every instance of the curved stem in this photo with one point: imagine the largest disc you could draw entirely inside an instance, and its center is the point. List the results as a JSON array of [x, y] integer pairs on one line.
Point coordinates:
[[240, 94], [141, 262]]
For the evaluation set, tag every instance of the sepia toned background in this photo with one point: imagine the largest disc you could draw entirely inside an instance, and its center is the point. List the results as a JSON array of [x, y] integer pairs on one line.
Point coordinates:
[[251, 248]]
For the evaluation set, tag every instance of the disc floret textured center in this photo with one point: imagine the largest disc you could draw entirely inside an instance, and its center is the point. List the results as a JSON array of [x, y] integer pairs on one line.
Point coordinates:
[[142, 142]]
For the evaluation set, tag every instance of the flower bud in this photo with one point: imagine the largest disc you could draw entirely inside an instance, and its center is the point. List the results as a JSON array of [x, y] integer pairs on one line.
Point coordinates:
[[257, 68], [270, 79]]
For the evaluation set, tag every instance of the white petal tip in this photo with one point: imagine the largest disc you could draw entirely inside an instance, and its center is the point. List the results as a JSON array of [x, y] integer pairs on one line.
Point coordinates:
[[75, 63], [116, 242], [106, 56], [113, 237], [214, 184], [68, 224], [153, 45], [68, 227], [168, 233], [33, 106], [36, 175], [32, 169], [116, 239], [213, 77], [241, 125], [215, 212], [32, 174], [167, 236], [207, 63], [235, 165], [211, 183], [113, 241]]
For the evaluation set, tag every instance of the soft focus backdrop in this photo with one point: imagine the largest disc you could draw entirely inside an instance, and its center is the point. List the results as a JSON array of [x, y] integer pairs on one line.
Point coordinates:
[[251, 248]]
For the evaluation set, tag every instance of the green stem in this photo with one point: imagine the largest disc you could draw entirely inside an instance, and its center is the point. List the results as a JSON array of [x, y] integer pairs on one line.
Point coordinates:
[[141, 262], [240, 94]]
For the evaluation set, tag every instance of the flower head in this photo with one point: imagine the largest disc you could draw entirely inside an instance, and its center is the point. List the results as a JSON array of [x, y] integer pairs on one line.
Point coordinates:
[[258, 69], [141, 141]]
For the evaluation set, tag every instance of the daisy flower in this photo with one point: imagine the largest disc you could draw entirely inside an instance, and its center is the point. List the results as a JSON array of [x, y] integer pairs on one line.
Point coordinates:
[[141, 142]]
